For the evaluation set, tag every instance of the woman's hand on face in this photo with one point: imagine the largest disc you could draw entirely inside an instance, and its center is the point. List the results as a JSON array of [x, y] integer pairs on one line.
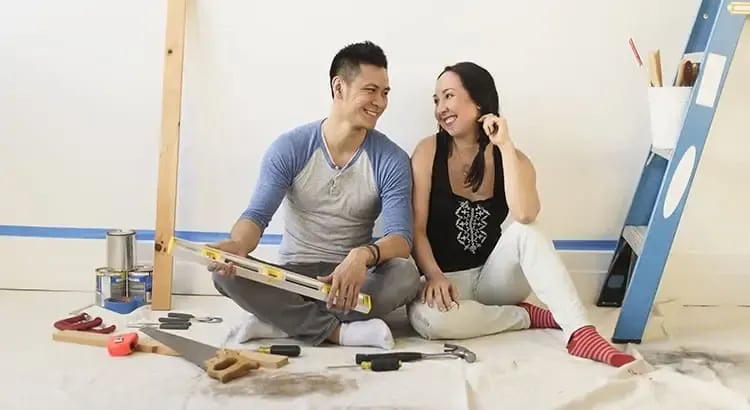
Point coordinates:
[[496, 129], [441, 292]]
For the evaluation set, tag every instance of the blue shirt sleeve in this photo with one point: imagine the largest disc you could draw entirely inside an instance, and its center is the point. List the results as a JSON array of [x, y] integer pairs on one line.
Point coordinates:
[[278, 169], [393, 172]]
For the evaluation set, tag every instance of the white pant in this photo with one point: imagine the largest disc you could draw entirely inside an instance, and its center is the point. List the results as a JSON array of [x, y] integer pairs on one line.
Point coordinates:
[[523, 260]]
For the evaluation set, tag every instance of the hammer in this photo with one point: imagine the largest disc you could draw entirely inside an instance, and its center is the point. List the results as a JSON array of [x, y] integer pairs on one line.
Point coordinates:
[[449, 351]]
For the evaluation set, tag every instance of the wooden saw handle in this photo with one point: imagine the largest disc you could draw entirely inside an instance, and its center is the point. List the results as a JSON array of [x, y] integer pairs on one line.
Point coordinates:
[[228, 365]]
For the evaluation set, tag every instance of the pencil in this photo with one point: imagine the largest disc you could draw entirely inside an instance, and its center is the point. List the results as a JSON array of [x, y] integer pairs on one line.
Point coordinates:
[[638, 59]]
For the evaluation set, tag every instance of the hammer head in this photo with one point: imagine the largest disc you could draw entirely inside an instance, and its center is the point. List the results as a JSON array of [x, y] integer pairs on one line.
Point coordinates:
[[460, 351]]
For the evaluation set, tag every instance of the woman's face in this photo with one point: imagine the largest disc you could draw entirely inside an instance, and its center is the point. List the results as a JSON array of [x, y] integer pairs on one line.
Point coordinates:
[[455, 111]]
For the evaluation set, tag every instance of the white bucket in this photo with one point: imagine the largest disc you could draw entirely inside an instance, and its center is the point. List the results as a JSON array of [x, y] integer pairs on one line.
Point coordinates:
[[667, 107]]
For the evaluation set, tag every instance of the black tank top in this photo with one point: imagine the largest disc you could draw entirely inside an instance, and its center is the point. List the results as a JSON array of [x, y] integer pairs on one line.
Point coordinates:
[[462, 232]]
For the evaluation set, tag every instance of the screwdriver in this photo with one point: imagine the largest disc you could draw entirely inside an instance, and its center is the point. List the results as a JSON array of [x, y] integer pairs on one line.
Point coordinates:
[[284, 350], [402, 356], [376, 365]]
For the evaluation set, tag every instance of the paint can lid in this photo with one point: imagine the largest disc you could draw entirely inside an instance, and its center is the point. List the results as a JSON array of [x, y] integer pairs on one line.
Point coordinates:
[[120, 232]]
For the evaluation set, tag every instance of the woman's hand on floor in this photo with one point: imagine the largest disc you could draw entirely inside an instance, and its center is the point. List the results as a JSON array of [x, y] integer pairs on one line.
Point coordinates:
[[441, 292]]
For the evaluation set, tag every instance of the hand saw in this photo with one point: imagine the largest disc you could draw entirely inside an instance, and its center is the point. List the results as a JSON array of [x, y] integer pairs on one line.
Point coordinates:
[[221, 364], [264, 272]]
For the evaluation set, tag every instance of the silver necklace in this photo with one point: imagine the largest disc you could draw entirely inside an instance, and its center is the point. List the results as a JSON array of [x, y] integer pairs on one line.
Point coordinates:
[[333, 186]]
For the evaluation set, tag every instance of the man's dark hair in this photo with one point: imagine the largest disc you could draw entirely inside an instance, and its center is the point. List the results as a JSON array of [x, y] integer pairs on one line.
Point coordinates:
[[346, 63]]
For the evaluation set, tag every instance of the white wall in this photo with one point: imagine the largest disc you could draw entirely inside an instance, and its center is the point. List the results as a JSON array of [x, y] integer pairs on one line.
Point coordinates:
[[88, 74]]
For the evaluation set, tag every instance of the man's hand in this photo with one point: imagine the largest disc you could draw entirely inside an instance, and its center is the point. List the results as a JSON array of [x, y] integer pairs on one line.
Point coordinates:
[[228, 246], [347, 279]]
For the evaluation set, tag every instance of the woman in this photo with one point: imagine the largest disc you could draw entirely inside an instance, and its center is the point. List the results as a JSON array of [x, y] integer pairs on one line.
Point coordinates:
[[467, 179]]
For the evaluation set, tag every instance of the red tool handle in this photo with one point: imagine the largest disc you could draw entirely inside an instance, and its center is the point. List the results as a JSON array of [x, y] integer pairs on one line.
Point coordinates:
[[83, 322]]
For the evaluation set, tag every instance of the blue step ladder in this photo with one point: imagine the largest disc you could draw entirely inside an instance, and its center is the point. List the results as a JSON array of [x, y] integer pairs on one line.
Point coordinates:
[[646, 238]]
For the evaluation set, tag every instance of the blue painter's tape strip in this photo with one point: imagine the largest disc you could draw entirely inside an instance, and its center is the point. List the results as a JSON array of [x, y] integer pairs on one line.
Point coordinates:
[[588, 245], [58, 232], [208, 237]]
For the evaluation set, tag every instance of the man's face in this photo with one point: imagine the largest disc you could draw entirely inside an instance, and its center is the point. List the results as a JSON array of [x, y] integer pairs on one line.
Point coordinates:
[[365, 98]]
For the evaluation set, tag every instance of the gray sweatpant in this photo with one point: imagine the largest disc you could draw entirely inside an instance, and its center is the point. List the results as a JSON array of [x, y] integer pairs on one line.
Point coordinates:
[[391, 285]]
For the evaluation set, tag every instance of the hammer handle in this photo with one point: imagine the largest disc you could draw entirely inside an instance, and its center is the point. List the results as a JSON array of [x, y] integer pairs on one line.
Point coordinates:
[[402, 356]]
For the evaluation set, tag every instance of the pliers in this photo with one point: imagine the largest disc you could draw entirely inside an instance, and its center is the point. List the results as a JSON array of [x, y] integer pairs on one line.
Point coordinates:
[[83, 322]]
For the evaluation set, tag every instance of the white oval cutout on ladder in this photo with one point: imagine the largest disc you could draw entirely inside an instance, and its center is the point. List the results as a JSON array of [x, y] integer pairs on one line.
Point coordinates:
[[679, 182]]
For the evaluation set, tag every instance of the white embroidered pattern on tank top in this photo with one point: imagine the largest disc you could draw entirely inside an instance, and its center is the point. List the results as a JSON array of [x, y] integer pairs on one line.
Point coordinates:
[[471, 222]]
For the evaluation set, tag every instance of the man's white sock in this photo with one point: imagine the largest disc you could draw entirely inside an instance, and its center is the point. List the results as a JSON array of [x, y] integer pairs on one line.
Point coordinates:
[[373, 332], [254, 328]]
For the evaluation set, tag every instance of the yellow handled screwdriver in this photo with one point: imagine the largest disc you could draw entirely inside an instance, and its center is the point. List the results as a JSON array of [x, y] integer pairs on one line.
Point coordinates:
[[283, 350], [376, 365]]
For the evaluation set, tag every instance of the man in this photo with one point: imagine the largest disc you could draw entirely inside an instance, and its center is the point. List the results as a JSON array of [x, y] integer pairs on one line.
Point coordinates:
[[337, 175]]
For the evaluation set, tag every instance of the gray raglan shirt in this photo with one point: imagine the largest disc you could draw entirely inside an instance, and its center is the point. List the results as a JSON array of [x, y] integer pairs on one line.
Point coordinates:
[[329, 211]]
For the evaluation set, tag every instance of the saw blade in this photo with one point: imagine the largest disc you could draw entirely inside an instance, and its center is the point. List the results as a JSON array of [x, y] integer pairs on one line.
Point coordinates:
[[192, 351]]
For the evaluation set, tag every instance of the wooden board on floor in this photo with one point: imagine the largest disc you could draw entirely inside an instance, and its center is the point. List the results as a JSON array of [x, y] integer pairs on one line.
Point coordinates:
[[148, 345], [145, 345], [161, 293]]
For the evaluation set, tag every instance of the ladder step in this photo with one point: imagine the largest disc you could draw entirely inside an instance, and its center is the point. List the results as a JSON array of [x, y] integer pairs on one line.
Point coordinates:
[[635, 235], [665, 153]]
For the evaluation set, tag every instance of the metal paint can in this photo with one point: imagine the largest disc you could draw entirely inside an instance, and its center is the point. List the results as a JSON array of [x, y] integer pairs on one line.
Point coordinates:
[[109, 284], [121, 251], [140, 281]]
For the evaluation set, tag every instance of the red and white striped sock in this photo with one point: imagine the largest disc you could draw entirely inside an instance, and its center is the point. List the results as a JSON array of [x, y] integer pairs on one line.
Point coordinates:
[[587, 343], [540, 318]]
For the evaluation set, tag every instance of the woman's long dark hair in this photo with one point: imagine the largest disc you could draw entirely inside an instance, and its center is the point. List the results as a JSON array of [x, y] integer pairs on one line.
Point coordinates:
[[480, 85]]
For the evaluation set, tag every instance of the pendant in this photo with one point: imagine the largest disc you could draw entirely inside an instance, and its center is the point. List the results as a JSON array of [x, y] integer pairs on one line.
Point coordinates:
[[333, 188]]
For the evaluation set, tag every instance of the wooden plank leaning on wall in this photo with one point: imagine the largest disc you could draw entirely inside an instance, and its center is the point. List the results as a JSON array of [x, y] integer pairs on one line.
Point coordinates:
[[161, 292]]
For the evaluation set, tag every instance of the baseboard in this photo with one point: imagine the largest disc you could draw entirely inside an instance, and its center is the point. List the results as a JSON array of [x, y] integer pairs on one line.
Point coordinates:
[[588, 272], [699, 279], [68, 265], [689, 279]]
